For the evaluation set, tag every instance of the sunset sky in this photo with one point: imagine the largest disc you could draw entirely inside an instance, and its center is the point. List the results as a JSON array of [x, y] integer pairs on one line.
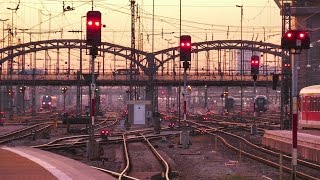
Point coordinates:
[[202, 19]]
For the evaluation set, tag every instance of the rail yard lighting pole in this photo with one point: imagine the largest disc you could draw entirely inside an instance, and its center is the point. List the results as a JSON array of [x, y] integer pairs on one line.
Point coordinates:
[[179, 89], [241, 64], [3, 20]]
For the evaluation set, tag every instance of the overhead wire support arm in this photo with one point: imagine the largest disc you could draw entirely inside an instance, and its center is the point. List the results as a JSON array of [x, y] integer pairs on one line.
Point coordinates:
[[68, 8]]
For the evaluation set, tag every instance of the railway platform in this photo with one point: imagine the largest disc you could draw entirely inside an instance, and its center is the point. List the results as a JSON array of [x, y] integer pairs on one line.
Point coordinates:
[[29, 163], [308, 142]]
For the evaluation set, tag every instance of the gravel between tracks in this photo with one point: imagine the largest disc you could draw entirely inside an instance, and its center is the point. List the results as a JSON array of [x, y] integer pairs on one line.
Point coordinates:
[[201, 161]]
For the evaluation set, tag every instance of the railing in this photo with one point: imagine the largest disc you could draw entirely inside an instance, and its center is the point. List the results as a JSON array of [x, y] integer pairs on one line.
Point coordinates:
[[110, 77]]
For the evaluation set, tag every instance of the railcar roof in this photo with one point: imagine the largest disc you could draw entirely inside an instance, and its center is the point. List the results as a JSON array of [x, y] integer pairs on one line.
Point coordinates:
[[310, 90]]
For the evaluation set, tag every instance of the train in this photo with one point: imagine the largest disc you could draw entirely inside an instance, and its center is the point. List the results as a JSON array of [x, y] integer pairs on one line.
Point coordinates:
[[230, 103], [126, 72], [49, 102], [31, 72], [261, 103], [309, 111]]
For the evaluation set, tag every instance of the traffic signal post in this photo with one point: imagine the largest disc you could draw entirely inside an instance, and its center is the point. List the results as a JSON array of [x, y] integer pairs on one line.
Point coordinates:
[[295, 41], [93, 25], [255, 63], [185, 58]]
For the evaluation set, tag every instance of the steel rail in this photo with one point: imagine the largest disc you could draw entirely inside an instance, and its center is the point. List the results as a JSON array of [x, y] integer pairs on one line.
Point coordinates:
[[126, 152], [25, 135], [162, 160], [260, 159], [114, 174]]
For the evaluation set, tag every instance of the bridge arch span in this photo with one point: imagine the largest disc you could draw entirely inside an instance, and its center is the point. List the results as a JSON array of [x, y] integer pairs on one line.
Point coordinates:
[[166, 55], [161, 57], [11, 52]]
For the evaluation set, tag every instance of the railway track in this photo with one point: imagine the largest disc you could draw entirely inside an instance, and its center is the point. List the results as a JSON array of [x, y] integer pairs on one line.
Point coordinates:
[[243, 147], [136, 151], [25, 132]]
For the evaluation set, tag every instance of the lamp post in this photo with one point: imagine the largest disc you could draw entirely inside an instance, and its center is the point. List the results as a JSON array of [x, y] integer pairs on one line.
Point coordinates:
[[241, 64], [3, 20], [81, 27], [309, 52], [168, 43]]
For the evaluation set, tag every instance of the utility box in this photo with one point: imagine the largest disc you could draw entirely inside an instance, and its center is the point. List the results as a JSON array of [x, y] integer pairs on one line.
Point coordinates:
[[138, 112]]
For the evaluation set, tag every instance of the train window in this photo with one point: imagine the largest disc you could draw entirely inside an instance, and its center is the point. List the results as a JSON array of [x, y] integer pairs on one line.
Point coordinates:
[[316, 104], [306, 104], [311, 104], [315, 99], [303, 104]]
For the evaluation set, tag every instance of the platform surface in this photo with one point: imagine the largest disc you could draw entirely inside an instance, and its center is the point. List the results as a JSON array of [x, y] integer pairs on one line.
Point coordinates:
[[24, 163], [308, 142]]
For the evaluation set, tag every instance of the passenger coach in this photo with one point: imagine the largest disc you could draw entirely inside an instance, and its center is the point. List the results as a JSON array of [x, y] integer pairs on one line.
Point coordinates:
[[309, 115]]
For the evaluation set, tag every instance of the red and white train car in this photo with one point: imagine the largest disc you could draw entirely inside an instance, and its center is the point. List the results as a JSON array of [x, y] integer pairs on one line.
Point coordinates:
[[309, 116]]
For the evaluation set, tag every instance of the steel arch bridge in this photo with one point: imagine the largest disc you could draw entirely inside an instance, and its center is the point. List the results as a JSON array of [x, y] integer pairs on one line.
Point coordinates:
[[149, 63]]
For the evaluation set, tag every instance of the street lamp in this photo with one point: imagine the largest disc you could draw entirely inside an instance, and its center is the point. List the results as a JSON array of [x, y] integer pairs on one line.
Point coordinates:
[[3, 20], [168, 46], [241, 63], [309, 52]]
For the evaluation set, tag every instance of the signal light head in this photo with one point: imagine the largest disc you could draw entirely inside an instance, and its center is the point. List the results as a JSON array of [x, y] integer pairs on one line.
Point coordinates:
[[295, 40], [93, 28], [185, 49]]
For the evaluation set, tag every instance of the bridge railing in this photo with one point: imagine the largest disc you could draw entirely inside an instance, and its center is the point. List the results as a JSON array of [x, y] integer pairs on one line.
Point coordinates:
[[110, 77]]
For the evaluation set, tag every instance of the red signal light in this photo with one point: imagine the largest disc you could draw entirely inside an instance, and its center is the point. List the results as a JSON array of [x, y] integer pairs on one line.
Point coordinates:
[[289, 35], [97, 23], [301, 35], [185, 45], [90, 23], [254, 62]]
